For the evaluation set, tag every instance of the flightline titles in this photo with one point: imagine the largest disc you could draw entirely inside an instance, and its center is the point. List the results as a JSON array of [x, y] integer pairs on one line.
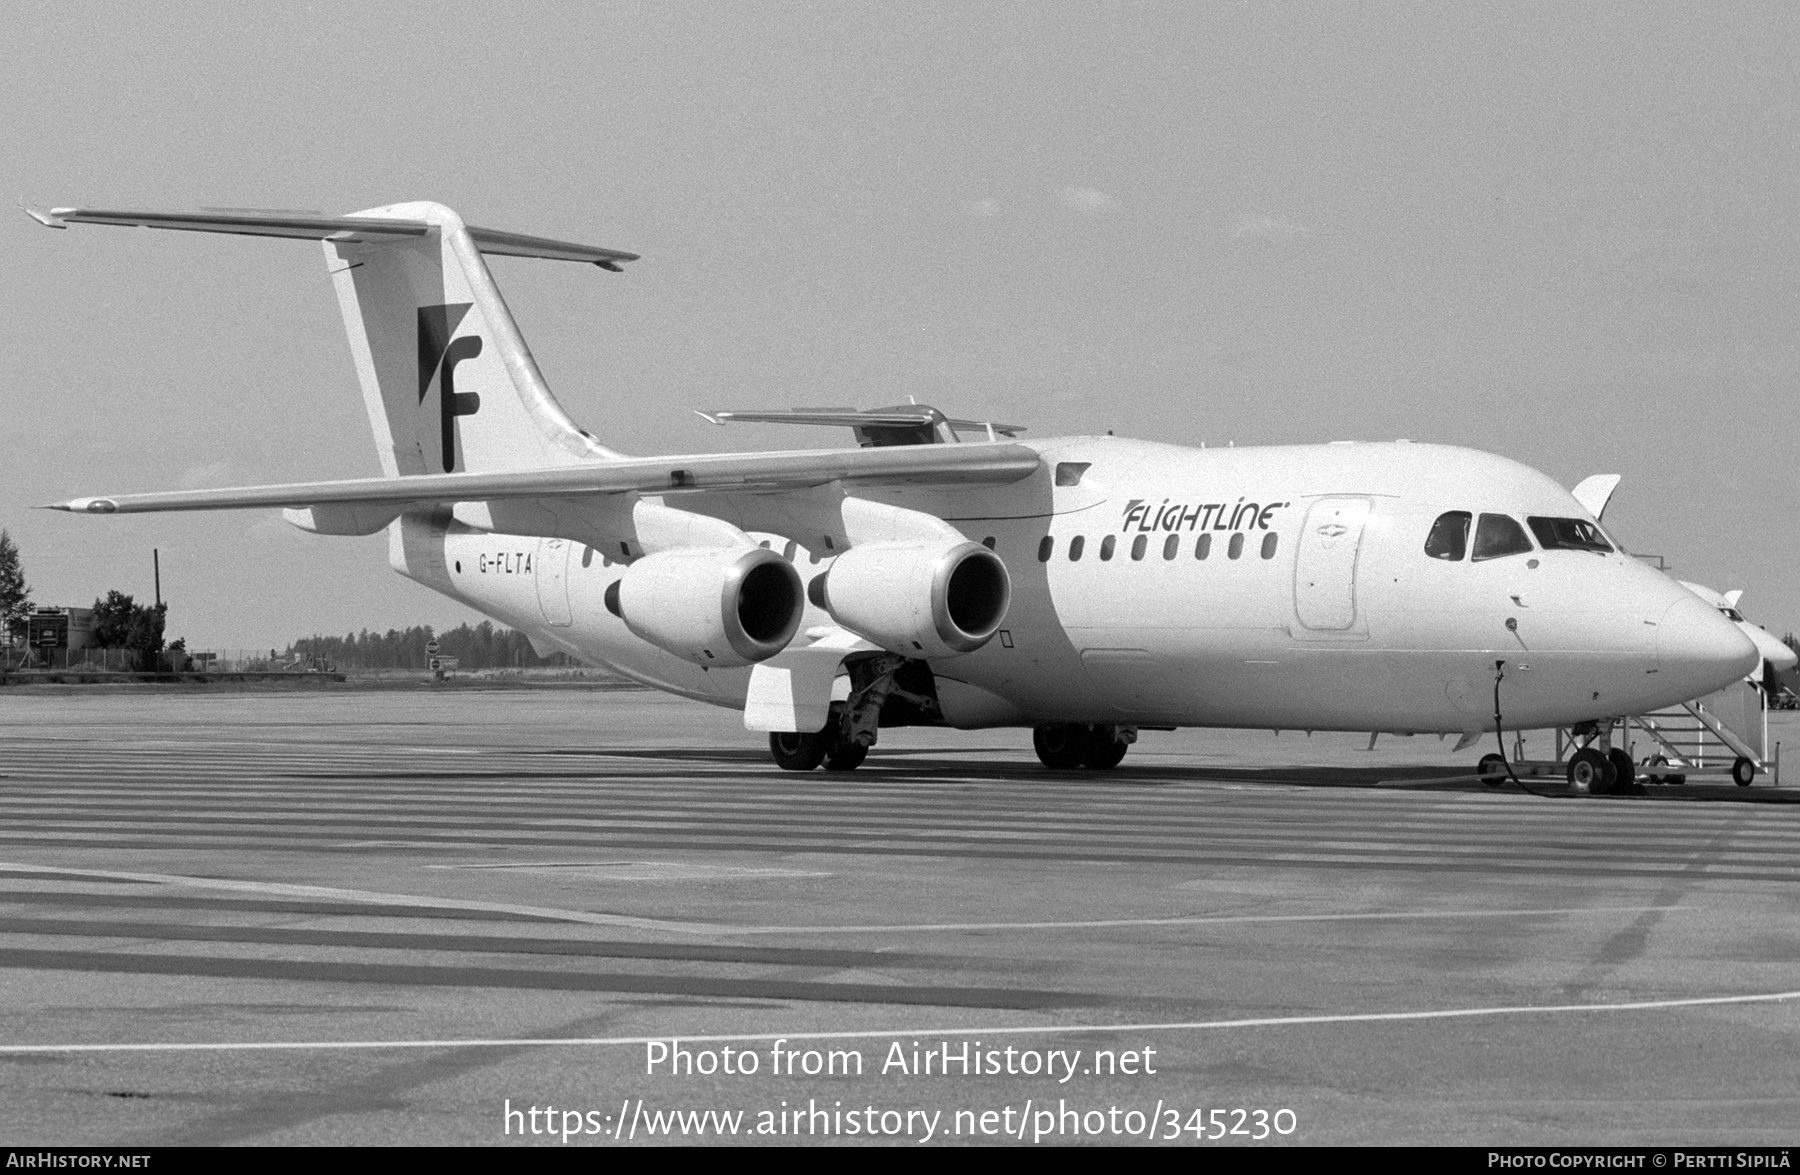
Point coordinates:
[[963, 1058]]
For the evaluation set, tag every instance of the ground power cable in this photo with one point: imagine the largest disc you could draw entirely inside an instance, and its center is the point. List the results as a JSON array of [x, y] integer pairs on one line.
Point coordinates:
[[1500, 737]]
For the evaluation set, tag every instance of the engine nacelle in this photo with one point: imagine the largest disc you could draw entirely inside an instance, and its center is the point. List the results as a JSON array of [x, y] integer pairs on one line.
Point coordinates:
[[918, 599], [712, 606]]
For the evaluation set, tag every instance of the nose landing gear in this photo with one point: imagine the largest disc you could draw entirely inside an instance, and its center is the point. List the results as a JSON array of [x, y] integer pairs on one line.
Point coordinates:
[[1591, 772], [1601, 769]]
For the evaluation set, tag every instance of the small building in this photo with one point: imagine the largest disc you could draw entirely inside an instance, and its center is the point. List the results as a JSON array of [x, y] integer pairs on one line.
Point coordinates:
[[59, 628]]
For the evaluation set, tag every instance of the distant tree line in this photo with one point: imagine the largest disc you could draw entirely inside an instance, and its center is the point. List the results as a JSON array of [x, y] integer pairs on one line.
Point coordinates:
[[483, 646], [15, 593]]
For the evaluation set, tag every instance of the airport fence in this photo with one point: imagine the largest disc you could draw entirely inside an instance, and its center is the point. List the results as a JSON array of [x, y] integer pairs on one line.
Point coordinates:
[[19, 657], [256, 661], [84, 660]]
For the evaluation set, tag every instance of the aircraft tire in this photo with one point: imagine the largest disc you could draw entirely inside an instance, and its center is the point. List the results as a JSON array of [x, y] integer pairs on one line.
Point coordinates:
[[1491, 769], [1103, 752], [1742, 772], [1590, 771], [797, 751], [1626, 769], [1060, 745], [845, 756]]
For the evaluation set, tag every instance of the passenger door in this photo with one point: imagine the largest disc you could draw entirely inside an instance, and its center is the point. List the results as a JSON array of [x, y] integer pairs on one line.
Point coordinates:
[[1325, 567]]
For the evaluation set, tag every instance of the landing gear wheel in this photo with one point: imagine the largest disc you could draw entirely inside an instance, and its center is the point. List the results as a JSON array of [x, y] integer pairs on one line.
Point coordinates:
[[795, 751], [1103, 750], [1742, 772], [1491, 769], [1589, 771], [1060, 746], [1626, 781], [846, 756]]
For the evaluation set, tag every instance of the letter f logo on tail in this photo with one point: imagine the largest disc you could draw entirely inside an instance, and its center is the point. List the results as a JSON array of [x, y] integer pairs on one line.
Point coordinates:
[[438, 355]]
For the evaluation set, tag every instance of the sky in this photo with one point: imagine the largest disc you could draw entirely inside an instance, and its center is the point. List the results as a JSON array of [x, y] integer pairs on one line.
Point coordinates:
[[1562, 233]]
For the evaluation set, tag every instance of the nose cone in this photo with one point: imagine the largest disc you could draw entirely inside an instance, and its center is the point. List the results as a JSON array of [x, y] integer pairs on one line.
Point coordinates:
[[1773, 651], [1700, 650]]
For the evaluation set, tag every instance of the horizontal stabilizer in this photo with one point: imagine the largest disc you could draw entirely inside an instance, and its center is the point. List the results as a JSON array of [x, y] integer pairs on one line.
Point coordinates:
[[346, 229], [973, 464]]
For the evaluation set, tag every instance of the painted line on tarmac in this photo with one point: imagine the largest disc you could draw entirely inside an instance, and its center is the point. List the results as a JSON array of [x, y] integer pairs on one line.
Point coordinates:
[[373, 898], [1200, 920], [895, 1033], [591, 918]]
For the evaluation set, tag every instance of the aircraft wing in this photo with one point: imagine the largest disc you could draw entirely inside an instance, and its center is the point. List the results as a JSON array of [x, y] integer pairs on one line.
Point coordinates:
[[947, 465], [919, 416]]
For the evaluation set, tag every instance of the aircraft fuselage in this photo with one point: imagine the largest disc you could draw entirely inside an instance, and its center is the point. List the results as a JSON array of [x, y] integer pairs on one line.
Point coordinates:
[[1281, 587]]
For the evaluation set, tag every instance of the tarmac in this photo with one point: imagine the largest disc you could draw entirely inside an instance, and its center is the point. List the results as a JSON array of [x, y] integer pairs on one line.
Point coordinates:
[[490, 916]]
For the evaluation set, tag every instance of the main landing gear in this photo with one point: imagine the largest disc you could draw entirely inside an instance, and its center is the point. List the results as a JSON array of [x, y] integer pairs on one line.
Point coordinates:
[[794, 751], [1066, 745], [901, 689]]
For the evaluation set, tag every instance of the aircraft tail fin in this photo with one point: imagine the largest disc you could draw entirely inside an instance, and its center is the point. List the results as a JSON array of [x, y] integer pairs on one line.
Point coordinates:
[[446, 377], [448, 381]]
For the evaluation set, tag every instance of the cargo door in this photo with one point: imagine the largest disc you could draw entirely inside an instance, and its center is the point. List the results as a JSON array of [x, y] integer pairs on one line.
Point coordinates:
[[1325, 566], [553, 581]]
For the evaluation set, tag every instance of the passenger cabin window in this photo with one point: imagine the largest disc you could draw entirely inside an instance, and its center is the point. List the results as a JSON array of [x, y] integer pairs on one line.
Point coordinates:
[[1268, 548], [1046, 546], [1137, 547], [1568, 534], [1237, 545], [1106, 547], [1075, 545], [1203, 547], [1497, 536], [1449, 537], [1171, 546]]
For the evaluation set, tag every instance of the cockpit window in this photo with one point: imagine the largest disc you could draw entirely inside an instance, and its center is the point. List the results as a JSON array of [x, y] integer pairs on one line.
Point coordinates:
[[1449, 537], [1568, 534], [1497, 536], [1732, 614]]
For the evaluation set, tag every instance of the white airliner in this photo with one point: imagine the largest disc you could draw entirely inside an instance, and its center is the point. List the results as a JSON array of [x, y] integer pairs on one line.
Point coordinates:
[[1777, 658], [1085, 587]]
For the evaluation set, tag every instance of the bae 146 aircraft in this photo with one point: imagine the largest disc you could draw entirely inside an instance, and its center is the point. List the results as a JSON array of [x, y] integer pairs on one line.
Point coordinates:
[[1777, 658], [946, 572]]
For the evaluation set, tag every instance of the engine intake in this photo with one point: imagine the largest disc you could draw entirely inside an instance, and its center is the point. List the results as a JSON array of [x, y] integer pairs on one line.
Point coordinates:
[[711, 606], [918, 598]]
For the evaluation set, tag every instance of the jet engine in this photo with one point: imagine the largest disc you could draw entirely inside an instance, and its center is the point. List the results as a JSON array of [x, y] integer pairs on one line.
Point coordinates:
[[932, 599], [712, 606]]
